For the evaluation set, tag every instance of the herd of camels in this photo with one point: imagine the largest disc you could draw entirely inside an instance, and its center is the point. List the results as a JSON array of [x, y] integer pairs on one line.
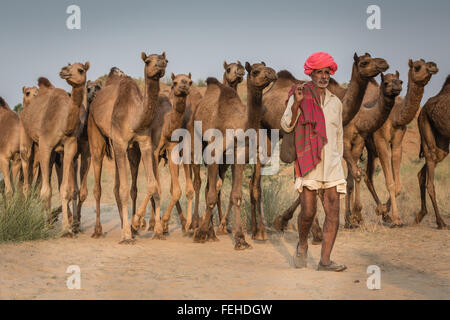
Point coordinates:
[[116, 119]]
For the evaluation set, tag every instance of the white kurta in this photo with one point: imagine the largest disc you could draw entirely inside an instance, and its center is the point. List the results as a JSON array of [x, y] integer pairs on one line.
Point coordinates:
[[329, 172]]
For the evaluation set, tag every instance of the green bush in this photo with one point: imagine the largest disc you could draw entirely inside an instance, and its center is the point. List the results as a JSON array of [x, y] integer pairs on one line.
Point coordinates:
[[23, 218]]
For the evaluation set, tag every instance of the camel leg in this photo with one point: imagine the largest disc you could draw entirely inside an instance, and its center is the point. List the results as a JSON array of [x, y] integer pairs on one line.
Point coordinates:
[[4, 167], [431, 192], [153, 190], [97, 147], [197, 186], [70, 149], [85, 162], [422, 177], [189, 196], [26, 148], [236, 196], [134, 157], [223, 226], [281, 221], [349, 223], [384, 156], [357, 151], [222, 171], [73, 182], [152, 221], [204, 232], [116, 191], [368, 179], [256, 194], [120, 154], [397, 160], [175, 191], [44, 160]]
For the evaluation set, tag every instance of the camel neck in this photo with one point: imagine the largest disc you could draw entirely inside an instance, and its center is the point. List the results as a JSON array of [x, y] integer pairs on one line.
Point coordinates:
[[409, 106], [179, 104], [369, 120], [354, 96], [254, 106], [78, 96], [150, 101]]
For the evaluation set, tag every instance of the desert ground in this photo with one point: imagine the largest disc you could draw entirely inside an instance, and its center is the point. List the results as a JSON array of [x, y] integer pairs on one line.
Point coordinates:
[[414, 260]]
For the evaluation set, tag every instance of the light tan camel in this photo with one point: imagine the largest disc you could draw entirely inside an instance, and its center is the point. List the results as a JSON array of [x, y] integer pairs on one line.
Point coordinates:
[[53, 121], [173, 120], [9, 146], [121, 114], [369, 118], [434, 128], [364, 69], [386, 142], [222, 109]]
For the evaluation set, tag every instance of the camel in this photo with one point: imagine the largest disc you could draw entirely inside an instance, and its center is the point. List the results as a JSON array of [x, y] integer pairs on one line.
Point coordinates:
[[386, 142], [52, 120], [364, 69], [221, 109], [369, 118], [434, 128], [9, 145], [121, 116], [173, 120], [233, 75]]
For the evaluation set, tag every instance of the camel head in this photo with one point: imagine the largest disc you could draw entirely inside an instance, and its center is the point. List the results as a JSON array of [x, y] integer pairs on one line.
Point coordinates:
[[369, 67], [259, 76], [28, 94], [234, 72], [75, 74], [420, 72], [92, 88], [391, 84], [181, 84], [155, 65]]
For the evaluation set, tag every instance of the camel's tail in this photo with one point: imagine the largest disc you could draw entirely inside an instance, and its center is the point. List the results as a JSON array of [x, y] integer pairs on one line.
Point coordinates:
[[3, 103], [108, 149]]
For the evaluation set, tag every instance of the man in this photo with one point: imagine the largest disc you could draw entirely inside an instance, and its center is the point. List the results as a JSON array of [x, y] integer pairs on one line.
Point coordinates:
[[316, 116]]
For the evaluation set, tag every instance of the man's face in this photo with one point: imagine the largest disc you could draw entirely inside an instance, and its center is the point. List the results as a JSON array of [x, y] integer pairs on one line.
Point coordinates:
[[321, 77]]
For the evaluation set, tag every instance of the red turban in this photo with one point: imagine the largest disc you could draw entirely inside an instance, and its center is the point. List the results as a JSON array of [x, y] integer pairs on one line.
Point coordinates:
[[320, 60]]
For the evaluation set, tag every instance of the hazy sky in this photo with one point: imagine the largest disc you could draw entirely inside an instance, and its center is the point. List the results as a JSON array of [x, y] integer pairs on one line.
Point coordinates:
[[198, 35]]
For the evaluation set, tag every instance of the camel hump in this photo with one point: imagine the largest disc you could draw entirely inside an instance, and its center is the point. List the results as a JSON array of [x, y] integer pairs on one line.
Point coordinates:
[[212, 80], [3, 103], [446, 86], [44, 83], [284, 74]]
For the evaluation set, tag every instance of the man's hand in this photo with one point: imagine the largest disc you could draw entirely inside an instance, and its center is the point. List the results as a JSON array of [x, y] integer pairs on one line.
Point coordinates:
[[298, 94], [298, 97]]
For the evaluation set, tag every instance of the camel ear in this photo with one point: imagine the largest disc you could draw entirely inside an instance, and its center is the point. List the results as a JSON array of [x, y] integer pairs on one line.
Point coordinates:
[[239, 63], [143, 56], [164, 54], [410, 63], [355, 58], [189, 75], [225, 65], [248, 67], [172, 76], [23, 89], [263, 63], [397, 74], [86, 66]]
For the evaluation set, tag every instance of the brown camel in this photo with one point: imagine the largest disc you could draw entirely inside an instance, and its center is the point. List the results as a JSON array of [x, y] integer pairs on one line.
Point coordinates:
[[173, 120], [233, 75], [53, 121], [221, 109], [434, 128], [386, 142], [9, 145], [121, 115], [364, 69], [369, 118]]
